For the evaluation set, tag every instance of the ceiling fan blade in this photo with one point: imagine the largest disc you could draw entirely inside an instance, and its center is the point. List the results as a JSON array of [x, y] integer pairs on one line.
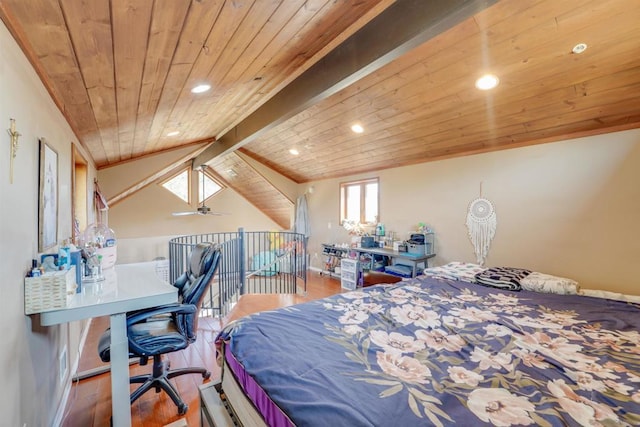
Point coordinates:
[[214, 213], [184, 213], [202, 210]]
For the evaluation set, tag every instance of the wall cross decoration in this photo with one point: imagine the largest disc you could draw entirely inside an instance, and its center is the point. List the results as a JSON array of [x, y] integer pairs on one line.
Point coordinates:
[[14, 134]]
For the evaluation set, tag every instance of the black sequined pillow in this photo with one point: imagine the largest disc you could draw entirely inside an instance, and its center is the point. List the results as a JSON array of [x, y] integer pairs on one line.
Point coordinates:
[[507, 278]]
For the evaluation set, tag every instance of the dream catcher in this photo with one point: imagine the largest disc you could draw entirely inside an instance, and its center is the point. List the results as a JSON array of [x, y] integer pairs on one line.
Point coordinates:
[[481, 226]]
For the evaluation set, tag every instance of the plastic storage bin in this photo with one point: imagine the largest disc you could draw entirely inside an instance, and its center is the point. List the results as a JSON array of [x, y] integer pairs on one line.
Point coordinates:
[[350, 273], [399, 270], [421, 244]]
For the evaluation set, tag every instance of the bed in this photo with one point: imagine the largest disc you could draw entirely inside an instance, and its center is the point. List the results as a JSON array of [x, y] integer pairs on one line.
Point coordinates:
[[435, 351]]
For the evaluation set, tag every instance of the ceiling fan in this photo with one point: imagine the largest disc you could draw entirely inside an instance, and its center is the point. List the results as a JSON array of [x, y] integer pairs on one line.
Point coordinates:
[[203, 209]]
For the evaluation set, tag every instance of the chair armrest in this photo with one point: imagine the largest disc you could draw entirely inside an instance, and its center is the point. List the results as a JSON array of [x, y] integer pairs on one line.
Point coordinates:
[[171, 312], [140, 315]]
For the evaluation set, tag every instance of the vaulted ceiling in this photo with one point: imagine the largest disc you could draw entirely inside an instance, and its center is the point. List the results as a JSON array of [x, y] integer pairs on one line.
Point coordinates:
[[296, 74]]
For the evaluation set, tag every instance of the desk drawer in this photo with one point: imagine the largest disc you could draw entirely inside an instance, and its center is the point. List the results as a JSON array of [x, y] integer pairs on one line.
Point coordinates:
[[349, 265], [419, 249]]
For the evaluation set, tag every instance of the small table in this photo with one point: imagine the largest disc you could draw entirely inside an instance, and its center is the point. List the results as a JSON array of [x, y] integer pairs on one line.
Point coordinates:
[[371, 278], [413, 258], [126, 287]]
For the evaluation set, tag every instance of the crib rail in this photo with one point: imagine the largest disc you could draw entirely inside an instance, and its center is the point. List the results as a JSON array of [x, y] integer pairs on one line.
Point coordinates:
[[251, 262]]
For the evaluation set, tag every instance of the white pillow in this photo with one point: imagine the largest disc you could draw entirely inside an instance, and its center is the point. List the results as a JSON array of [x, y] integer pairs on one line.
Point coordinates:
[[546, 283], [596, 293]]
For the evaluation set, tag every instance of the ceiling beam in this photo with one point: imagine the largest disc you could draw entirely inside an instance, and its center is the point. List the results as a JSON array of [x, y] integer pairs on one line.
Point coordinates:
[[400, 28]]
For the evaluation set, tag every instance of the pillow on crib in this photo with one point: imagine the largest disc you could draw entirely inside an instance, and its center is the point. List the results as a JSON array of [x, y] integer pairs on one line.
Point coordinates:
[[546, 283], [507, 278], [464, 271], [439, 273]]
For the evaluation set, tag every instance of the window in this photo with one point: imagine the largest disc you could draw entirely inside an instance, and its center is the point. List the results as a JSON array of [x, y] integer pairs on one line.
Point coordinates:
[[359, 201], [179, 185], [209, 186]]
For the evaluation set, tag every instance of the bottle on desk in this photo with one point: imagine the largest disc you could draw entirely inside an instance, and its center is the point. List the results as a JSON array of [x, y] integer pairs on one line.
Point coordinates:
[[35, 271], [64, 256]]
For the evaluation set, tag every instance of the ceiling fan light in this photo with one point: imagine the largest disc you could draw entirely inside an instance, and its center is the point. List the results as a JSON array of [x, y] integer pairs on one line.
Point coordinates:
[[293, 152], [201, 88], [486, 82]]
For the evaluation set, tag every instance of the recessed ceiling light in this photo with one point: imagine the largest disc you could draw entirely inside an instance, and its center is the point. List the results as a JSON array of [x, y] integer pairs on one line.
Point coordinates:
[[579, 48], [294, 152], [486, 82], [201, 88], [174, 133], [357, 128]]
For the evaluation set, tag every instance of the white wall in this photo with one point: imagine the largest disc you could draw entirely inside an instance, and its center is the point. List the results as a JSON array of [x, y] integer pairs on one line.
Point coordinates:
[[143, 223], [570, 208], [29, 352]]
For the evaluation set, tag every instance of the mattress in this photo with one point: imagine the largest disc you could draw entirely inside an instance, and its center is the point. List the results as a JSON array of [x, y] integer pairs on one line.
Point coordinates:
[[437, 352]]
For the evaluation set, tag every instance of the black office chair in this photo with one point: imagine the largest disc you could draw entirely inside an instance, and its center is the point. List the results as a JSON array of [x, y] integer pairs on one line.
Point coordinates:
[[160, 330]]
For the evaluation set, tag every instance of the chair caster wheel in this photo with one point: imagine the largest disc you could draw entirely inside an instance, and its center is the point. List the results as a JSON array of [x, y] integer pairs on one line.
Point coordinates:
[[182, 409], [206, 375]]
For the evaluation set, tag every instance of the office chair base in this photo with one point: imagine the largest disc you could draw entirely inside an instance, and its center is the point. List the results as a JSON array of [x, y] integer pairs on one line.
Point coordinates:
[[159, 380]]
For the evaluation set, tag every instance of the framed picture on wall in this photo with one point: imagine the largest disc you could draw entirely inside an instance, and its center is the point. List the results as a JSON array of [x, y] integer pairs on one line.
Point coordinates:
[[48, 197]]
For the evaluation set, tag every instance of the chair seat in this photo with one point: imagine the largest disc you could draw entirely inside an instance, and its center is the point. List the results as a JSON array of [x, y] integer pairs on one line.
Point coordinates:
[[157, 337]]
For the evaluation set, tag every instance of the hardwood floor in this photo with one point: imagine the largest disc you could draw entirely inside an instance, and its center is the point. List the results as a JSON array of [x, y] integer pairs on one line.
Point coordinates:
[[89, 402]]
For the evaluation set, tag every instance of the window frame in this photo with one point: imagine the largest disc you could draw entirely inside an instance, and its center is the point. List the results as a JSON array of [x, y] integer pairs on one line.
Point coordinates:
[[189, 184], [362, 183], [209, 175]]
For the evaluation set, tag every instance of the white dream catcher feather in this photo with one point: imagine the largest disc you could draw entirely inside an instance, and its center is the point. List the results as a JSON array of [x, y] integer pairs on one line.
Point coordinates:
[[481, 226]]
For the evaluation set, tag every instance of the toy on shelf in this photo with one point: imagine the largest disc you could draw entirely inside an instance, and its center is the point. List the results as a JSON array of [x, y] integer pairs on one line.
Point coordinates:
[[423, 228]]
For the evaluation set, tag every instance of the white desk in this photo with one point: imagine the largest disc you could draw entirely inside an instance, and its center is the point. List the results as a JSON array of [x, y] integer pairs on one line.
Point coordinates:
[[413, 258], [126, 288]]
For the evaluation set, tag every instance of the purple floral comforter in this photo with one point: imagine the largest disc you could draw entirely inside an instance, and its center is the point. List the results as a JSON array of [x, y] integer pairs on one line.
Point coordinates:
[[433, 352]]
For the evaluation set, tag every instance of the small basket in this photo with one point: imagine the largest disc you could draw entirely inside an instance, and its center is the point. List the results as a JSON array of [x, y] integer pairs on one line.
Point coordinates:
[[49, 291]]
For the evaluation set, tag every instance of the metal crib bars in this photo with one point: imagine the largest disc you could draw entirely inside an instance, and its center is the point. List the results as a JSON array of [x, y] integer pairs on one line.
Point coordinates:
[[251, 262]]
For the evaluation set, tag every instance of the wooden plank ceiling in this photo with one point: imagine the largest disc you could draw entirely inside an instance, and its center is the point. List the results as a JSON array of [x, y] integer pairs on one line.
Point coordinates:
[[121, 72], [236, 173], [424, 106]]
